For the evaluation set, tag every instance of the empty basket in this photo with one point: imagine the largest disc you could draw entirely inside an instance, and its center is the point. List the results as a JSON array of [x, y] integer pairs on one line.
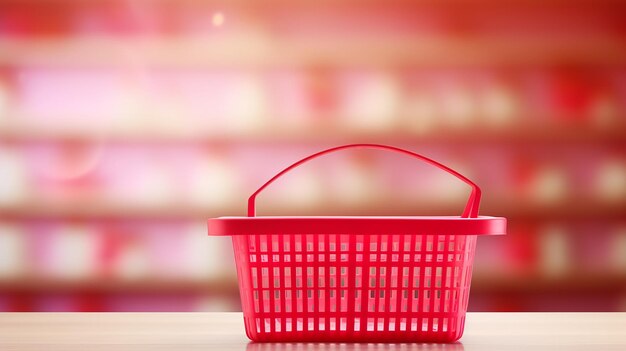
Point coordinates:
[[356, 279]]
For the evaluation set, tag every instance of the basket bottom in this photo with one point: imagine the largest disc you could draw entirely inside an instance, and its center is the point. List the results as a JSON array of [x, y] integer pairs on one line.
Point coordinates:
[[413, 330]]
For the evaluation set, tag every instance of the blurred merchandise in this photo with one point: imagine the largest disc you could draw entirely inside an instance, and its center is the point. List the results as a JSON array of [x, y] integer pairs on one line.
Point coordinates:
[[457, 106], [610, 182], [369, 101], [4, 101], [14, 187], [499, 107], [124, 125], [13, 258], [67, 246], [549, 185], [420, 112], [556, 253], [213, 182]]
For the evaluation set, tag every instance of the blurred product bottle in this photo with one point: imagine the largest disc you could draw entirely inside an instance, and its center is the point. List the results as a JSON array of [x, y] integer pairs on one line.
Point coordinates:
[[15, 186], [548, 185], [619, 250], [13, 251], [213, 182], [458, 106], [610, 181], [498, 106], [247, 106], [370, 101], [73, 252], [555, 251], [203, 259], [4, 103], [419, 112]]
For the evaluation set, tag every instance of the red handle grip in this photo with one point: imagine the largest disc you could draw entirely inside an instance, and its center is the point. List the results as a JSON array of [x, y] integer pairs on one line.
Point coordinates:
[[471, 208]]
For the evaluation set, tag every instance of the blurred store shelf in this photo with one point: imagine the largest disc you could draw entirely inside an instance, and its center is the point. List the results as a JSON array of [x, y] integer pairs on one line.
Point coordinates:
[[547, 133], [226, 285], [586, 282], [580, 208], [258, 50]]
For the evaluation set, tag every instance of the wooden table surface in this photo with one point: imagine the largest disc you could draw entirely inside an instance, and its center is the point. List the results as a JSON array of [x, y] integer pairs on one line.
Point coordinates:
[[224, 331]]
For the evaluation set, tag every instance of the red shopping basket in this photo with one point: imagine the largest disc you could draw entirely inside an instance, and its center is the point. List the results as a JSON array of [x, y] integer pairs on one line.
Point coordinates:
[[356, 279]]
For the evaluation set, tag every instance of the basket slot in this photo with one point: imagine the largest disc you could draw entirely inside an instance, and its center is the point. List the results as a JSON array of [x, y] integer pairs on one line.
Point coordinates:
[[315, 285], [387, 288], [399, 272], [282, 250], [444, 275]]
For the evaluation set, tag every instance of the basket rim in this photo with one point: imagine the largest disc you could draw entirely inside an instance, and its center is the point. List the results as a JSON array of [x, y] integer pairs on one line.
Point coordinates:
[[357, 225]]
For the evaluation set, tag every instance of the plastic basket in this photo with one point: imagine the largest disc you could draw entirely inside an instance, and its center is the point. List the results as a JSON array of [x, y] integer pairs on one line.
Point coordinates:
[[356, 279]]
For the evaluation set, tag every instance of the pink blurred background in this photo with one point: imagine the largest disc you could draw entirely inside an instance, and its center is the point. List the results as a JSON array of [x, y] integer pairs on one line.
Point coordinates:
[[124, 125]]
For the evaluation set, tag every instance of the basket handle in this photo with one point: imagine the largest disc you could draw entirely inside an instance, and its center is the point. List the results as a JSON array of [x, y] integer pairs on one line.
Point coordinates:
[[471, 208]]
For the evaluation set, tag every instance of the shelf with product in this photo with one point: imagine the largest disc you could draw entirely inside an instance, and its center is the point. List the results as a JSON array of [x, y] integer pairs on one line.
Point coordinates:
[[290, 103], [184, 182], [126, 249], [126, 257], [188, 180], [168, 257], [198, 105]]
